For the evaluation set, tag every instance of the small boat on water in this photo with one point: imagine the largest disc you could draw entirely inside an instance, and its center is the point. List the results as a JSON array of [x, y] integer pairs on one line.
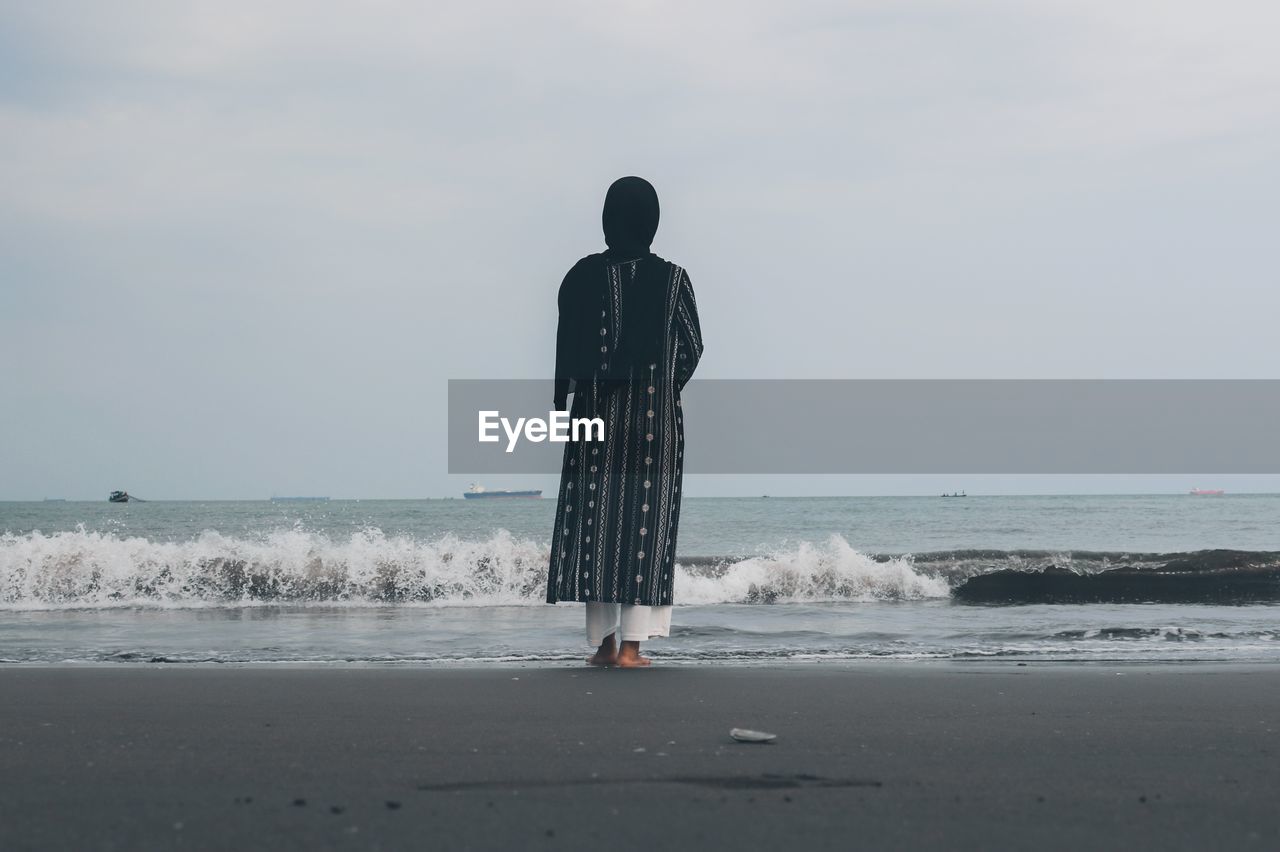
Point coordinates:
[[123, 497], [479, 492], [1207, 492]]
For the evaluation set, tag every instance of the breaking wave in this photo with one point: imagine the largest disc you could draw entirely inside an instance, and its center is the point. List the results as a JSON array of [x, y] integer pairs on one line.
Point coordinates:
[[91, 569], [833, 571], [84, 568]]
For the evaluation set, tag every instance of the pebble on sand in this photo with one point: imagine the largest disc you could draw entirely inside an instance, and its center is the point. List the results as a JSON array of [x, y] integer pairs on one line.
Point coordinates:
[[744, 735]]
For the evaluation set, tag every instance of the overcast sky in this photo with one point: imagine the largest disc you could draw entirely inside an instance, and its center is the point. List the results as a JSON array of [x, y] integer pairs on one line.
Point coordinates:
[[244, 245]]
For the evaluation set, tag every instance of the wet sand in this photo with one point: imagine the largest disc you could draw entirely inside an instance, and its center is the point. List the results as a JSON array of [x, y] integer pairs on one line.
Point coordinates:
[[878, 756]]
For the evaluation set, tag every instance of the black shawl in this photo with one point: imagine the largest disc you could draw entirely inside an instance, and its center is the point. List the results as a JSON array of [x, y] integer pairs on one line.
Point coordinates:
[[630, 220]]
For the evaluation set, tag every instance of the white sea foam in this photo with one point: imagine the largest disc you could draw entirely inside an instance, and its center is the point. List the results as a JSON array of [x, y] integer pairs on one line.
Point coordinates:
[[91, 569], [808, 572]]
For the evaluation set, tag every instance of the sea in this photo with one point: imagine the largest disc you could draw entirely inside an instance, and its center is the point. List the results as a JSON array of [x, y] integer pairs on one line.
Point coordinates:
[[760, 580]]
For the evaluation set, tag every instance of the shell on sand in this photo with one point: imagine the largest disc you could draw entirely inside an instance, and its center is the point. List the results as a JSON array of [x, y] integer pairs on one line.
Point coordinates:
[[742, 735]]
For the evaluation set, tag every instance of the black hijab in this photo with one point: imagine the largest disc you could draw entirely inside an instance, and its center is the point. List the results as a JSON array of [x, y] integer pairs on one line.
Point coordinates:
[[630, 217], [630, 220]]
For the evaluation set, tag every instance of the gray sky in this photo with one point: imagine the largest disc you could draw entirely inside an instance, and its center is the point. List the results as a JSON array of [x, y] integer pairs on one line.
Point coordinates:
[[244, 245]]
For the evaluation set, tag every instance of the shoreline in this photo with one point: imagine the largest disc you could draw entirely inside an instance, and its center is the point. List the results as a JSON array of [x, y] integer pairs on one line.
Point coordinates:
[[811, 666], [874, 754]]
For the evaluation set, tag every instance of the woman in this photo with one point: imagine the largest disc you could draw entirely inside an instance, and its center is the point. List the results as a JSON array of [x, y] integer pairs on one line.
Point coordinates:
[[627, 343]]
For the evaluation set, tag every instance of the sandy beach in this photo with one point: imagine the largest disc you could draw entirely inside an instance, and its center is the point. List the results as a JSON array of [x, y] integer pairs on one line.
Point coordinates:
[[949, 755]]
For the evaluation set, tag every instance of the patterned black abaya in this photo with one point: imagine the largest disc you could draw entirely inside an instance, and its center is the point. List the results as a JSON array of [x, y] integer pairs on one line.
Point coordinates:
[[628, 341]]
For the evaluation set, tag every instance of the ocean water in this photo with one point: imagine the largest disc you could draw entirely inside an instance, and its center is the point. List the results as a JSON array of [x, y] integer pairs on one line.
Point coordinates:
[[447, 581]]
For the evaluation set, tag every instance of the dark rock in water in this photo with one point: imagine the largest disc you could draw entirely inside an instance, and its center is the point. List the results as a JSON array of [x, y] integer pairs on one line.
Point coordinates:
[[1207, 576]]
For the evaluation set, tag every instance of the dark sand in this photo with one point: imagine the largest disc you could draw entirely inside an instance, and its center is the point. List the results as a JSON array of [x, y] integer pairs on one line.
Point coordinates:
[[868, 756]]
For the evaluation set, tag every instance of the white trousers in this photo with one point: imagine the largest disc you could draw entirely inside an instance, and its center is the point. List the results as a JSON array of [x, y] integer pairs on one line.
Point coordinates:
[[639, 623]]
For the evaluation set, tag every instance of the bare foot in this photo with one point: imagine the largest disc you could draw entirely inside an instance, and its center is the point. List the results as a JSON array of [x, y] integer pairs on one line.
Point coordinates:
[[605, 655], [629, 657]]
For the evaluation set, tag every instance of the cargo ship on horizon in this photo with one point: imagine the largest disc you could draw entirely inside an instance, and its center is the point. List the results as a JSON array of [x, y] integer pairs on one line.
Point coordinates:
[[477, 492]]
